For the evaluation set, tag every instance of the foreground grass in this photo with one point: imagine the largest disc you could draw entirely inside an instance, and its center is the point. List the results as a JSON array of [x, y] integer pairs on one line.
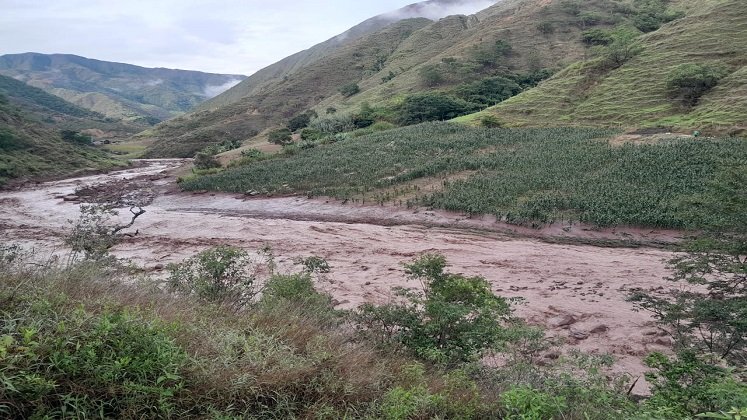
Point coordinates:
[[520, 175]]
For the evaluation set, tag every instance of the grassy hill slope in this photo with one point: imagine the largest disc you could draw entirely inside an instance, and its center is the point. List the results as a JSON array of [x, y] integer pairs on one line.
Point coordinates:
[[246, 118], [32, 123], [714, 33], [120, 91], [513, 38]]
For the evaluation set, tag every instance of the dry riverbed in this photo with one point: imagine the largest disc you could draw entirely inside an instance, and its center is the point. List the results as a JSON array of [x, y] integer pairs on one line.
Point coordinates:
[[571, 285]]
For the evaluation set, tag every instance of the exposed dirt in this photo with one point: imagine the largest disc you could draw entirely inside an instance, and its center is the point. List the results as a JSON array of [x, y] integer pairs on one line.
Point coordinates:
[[577, 291]]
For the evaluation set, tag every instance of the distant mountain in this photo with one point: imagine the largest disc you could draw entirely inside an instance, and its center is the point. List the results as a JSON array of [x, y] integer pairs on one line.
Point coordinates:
[[120, 91], [43, 135]]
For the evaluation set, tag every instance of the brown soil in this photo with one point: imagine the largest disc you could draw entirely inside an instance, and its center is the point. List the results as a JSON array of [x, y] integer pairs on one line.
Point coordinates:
[[576, 290]]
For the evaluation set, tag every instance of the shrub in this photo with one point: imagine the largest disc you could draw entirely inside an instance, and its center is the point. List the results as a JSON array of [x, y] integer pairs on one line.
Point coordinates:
[[686, 385], [623, 47], [596, 37], [205, 160], [222, 274], [10, 141], [490, 121], [281, 137], [76, 137], [331, 110], [350, 89], [452, 319], [688, 82], [333, 124], [299, 121], [529, 404], [488, 91], [58, 363], [431, 75], [546, 27], [491, 54], [310, 134], [433, 106]]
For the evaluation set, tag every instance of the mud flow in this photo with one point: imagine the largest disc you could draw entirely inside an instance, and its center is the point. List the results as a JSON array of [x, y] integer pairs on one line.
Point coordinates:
[[576, 291]]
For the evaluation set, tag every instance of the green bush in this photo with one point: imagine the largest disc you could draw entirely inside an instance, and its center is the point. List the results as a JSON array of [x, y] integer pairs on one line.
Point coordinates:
[[687, 385], [431, 75], [299, 121], [529, 404], [57, 363], [433, 106], [596, 37], [205, 160], [222, 274], [281, 137], [350, 89], [688, 82], [488, 91], [75, 137], [452, 319], [9, 141]]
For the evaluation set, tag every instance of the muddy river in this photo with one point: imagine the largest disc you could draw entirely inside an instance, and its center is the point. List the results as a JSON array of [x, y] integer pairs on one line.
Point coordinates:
[[571, 285]]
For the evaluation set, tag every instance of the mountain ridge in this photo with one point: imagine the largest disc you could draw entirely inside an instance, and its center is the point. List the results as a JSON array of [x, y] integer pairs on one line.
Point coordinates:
[[117, 90]]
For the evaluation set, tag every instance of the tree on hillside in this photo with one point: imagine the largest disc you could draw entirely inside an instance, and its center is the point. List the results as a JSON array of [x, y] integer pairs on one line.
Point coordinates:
[[281, 137], [623, 47], [433, 106], [299, 121], [350, 89], [688, 82]]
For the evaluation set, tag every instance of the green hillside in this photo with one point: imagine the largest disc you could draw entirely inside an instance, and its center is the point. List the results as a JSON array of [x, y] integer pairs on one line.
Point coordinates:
[[121, 91], [40, 134], [390, 64], [713, 34]]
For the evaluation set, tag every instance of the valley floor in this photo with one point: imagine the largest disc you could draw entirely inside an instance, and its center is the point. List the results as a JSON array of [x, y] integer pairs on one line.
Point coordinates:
[[573, 288]]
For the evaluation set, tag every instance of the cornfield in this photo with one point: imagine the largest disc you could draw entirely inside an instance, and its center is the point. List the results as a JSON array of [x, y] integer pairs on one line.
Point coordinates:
[[520, 175]]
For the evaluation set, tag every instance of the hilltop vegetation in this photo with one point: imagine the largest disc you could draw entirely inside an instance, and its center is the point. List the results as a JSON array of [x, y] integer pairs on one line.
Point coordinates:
[[611, 64], [500, 48], [39, 134], [124, 92], [639, 91]]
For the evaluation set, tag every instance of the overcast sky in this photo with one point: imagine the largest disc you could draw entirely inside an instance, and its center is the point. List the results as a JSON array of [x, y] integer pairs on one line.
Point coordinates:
[[221, 36]]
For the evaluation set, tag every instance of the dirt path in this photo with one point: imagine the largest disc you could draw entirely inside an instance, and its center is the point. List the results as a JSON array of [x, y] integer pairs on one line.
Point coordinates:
[[576, 291]]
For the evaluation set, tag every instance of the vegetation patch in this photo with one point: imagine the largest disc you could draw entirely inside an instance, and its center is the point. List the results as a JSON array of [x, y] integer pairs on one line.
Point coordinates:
[[528, 175]]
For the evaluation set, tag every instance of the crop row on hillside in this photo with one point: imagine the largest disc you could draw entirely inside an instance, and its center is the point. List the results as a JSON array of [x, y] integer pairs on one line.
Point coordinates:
[[519, 175]]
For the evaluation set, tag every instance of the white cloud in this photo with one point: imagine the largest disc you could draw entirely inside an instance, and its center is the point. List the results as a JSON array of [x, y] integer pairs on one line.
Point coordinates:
[[212, 91]]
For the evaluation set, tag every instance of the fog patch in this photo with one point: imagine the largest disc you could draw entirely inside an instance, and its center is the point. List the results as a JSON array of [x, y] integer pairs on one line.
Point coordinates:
[[155, 82], [438, 9], [212, 91]]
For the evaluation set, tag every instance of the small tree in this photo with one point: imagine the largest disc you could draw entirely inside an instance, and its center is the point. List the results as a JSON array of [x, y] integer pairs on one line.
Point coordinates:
[[596, 37], [206, 160], [282, 137], [623, 47], [433, 106], [452, 318], [688, 82], [223, 274], [350, 89], [431, 75], [299, 121]]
